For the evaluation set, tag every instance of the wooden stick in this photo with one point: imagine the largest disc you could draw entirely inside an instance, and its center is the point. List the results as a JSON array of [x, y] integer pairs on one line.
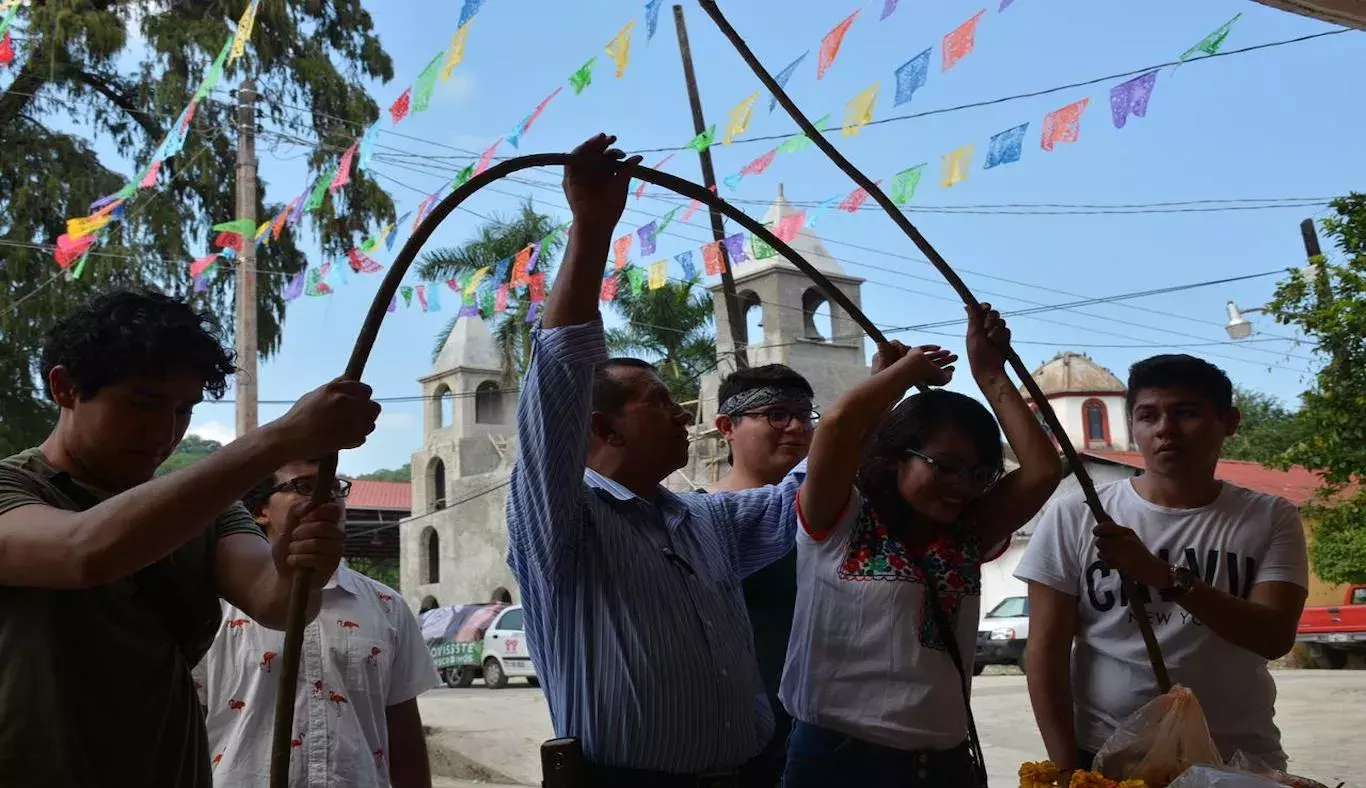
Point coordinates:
[[360, 354], [1136, 593]]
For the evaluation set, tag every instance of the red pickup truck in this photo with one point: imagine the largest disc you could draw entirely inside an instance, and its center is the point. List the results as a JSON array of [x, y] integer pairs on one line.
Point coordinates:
[[1334, 632]]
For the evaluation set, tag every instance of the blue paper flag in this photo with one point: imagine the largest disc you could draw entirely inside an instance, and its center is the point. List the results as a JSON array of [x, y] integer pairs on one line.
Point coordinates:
[[733, 181], [911, 76], [467, 12], [434, 298], [367, 146], [651, 18], [783, 76], [685, 261], [389, 241], [889, 8], [500, 270], [647, 237], [816, 213], [1006, 147]]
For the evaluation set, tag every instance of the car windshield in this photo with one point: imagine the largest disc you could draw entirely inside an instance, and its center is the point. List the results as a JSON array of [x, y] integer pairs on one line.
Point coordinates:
[[1011, 607]]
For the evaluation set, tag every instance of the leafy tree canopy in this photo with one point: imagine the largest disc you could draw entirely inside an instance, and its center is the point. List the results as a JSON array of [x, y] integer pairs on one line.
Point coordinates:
[[671, 327], [191, 450], [112, 75], [1268, 430], [404, 474]]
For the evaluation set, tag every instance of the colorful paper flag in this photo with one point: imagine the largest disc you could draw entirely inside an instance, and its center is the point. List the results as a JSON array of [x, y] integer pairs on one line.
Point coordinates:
[[300, 203], [277, 227], [392, 232], [789, 226], [393, 304], [421, 292], [1131, 98], [958, 44], [315, 200], [294, 288], [855, 200], [1210, 44], [621, 250], [423, 209], [711, 258], [693, 205], [659, 274], [243, 34], [262, 232], [703, 141], [647, 233], [486, 158], [735, 248], [426, 82], [500, 298], [533, 313], [227, 240], [243, 227], [1006, 147], [888, 8], [362, 263], [69, 249], [433, 299], [1063, 125], [522, 128], [86, 225], [583, 77], [535, 288], [317, 284], [820, 210], [455, 52], [149, 178], [859, 111], [468, 10], [783, 76], [733, 181], [1004, 5], [399, 109], [651, 18], [200, 265], [800, 142], [519, 267], [904, 184], [956, 165], [685, 262], [619, 48], [463, 176], [760, 164], [739, 117], [759, 248], [830, 44], [667, 219], [407, 292], [608, 291], [911, 76], [215, 72], [343, 175]]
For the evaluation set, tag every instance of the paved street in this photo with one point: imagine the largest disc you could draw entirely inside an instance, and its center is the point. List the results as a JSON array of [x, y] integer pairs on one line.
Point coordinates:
[[490, 736]]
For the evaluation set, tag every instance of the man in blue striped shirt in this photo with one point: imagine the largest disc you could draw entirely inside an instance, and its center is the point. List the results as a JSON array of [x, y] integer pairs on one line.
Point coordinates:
[[633, 597]]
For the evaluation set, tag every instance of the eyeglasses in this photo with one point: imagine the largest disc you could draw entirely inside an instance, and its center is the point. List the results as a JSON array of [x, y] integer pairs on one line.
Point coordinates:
[[305, 485], [979, 478], [779, 418]]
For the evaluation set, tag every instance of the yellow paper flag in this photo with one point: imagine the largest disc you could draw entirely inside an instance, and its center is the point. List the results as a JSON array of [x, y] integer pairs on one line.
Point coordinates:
[[475, 279], [244, 26], [956, 164], [859, 111], [619, 48], [659, 274], [262, 230], [456, 53], [739, 118], [86, 225]]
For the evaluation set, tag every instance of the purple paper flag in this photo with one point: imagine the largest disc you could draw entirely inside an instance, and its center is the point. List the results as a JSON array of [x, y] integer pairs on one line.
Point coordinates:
[[1006, 147], [1004, 5], [393, 304], [535, 257], [735, 248], [911, 76], [689, 268], [1131, 98], [889, 8], [468, 310], [783, 76], [295, 288], [200, 284], [533, 312], [647, 237]]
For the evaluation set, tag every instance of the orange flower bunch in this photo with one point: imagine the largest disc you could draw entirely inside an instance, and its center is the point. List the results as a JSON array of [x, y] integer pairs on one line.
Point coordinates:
[[1045, 774]]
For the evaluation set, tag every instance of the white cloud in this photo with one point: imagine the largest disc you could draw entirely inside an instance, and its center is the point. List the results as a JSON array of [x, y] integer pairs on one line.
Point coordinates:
[[214, 431]]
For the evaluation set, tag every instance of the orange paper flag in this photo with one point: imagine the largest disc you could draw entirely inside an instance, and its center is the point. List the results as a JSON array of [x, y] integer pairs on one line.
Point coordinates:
[[958, 44], [1063, 125], [830, 45]]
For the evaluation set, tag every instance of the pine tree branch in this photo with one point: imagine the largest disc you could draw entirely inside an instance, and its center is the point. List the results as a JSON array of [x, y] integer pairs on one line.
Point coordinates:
[[120, 99]]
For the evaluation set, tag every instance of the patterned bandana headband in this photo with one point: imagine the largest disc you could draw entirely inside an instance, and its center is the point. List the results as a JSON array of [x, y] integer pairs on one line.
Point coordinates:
[[753, 399]]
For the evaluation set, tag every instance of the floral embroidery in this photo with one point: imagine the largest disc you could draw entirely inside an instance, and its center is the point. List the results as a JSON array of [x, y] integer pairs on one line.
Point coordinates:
[[954, 561]]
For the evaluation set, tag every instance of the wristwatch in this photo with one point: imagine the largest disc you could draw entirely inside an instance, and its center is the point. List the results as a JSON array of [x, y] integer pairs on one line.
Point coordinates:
[[1182, 580]]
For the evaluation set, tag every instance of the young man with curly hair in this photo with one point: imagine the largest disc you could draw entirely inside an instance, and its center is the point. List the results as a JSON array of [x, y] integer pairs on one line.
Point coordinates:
[[109, 579]]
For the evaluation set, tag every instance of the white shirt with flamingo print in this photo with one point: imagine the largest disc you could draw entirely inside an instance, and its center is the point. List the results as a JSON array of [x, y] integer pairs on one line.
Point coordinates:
[[362, 654]]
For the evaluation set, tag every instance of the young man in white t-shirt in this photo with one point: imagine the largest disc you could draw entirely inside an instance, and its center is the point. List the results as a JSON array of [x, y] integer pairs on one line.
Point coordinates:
[[1225, 570]]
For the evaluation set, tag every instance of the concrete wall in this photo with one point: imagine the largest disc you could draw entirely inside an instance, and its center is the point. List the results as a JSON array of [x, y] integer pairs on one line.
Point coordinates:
[[472, 545], [1069, 410]]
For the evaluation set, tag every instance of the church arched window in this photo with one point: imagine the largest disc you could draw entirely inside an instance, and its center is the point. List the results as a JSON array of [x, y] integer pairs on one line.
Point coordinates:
[[431, 556], [752, 308], [488, 403], [445, 406], [1095, 422], [436, 484], [816, 319]]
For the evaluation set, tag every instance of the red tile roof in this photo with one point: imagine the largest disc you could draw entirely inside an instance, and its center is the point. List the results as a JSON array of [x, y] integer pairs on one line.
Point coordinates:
[[388, 496], [1296, 485]]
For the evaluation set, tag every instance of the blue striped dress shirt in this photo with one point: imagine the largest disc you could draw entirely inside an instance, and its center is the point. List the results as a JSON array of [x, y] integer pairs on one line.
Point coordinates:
[[634, 608]]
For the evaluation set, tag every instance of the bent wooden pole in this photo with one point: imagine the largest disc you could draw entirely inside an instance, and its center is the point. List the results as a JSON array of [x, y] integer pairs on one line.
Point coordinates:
[[1088, 487], [327, 468]]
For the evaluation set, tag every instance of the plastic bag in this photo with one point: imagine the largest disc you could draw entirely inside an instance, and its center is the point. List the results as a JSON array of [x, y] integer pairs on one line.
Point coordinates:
[[1246, 763], [1164, 738], [1221, 777]]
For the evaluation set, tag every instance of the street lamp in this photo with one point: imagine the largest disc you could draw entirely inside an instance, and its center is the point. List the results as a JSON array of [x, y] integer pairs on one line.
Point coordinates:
[[1239, 327]]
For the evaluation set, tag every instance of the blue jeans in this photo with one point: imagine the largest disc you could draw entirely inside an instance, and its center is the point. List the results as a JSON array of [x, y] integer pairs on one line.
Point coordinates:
[[821, 758]]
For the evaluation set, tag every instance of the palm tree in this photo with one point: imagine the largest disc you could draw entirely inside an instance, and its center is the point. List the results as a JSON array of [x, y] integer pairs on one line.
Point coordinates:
[[672, 327], [496, 241]]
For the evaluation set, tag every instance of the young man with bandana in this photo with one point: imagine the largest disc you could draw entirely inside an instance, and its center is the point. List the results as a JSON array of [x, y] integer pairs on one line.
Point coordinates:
[[765, 415]]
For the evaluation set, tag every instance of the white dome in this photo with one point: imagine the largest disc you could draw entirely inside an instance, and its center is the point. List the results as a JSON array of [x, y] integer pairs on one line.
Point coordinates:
[[469, 346]]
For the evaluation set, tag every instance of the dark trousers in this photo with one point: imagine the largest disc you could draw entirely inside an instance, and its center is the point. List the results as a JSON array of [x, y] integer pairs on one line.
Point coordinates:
[[1085, 760], [752, 775], [821, 758]]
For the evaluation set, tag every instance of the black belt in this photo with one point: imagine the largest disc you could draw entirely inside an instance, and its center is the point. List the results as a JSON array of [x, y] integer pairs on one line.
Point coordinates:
[[613, 777]]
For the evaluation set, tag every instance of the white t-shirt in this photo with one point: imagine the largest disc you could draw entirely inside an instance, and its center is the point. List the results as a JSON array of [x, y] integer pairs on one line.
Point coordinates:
[[865, 657], [1241, 538]]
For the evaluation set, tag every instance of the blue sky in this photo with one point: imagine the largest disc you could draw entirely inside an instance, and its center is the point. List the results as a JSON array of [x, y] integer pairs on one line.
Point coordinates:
[[1265, 124]]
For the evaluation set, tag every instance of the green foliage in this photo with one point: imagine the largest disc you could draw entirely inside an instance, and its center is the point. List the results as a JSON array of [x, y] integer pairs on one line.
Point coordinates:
[[497, 241], [190, 451], [385, 572], [1329, 307], [1267, 432], [671, 327], [404, 474], [67, 95]]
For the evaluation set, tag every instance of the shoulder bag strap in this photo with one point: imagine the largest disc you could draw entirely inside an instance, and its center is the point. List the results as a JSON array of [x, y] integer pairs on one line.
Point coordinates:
[[941, 622]]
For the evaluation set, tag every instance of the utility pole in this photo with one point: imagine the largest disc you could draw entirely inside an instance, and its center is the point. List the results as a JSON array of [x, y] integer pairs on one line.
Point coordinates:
[[734, 315], [245, 329], [1311, 238]]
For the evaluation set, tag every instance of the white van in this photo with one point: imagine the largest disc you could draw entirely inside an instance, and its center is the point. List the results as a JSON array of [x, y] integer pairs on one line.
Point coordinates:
[[505, 651], [1002, 635]]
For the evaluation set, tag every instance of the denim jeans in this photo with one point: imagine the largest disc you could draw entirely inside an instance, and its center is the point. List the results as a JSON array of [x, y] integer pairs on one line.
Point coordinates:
[[821, 758]]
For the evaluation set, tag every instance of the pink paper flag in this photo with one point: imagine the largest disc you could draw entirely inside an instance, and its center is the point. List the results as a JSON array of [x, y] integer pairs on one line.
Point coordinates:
[[760, 164], [830, 45], [343, 175], [487, 158], [69, 249], [621, 250], [202, 264], [6, 50], [399, 109], [640, 190], [500, 298], [609, 288], [536, 113], [711, 258], [692, 208], [422, 296], [1063, 125], [958, 44], [150, 179], [855, 200], [789, 226]]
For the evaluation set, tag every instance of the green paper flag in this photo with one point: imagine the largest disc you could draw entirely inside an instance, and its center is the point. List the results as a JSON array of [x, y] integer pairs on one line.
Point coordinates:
[[315, 200], [799, 142], [636, 278], [666, 220], [759, 248], [215, 71], [243, 227], [583, 77], [704, 140], [80, 266], [129, 189], [1210, 44], [904, 184], [422, 88], [464, 175], [407, 292]]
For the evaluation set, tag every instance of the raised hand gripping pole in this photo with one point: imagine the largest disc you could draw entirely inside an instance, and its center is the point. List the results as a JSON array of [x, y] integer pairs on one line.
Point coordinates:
[[327, 468], [1088, 487]]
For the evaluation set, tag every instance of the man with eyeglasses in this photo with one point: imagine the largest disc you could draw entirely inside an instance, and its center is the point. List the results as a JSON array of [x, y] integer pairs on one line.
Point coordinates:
[[364, 662], [765, 415]]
